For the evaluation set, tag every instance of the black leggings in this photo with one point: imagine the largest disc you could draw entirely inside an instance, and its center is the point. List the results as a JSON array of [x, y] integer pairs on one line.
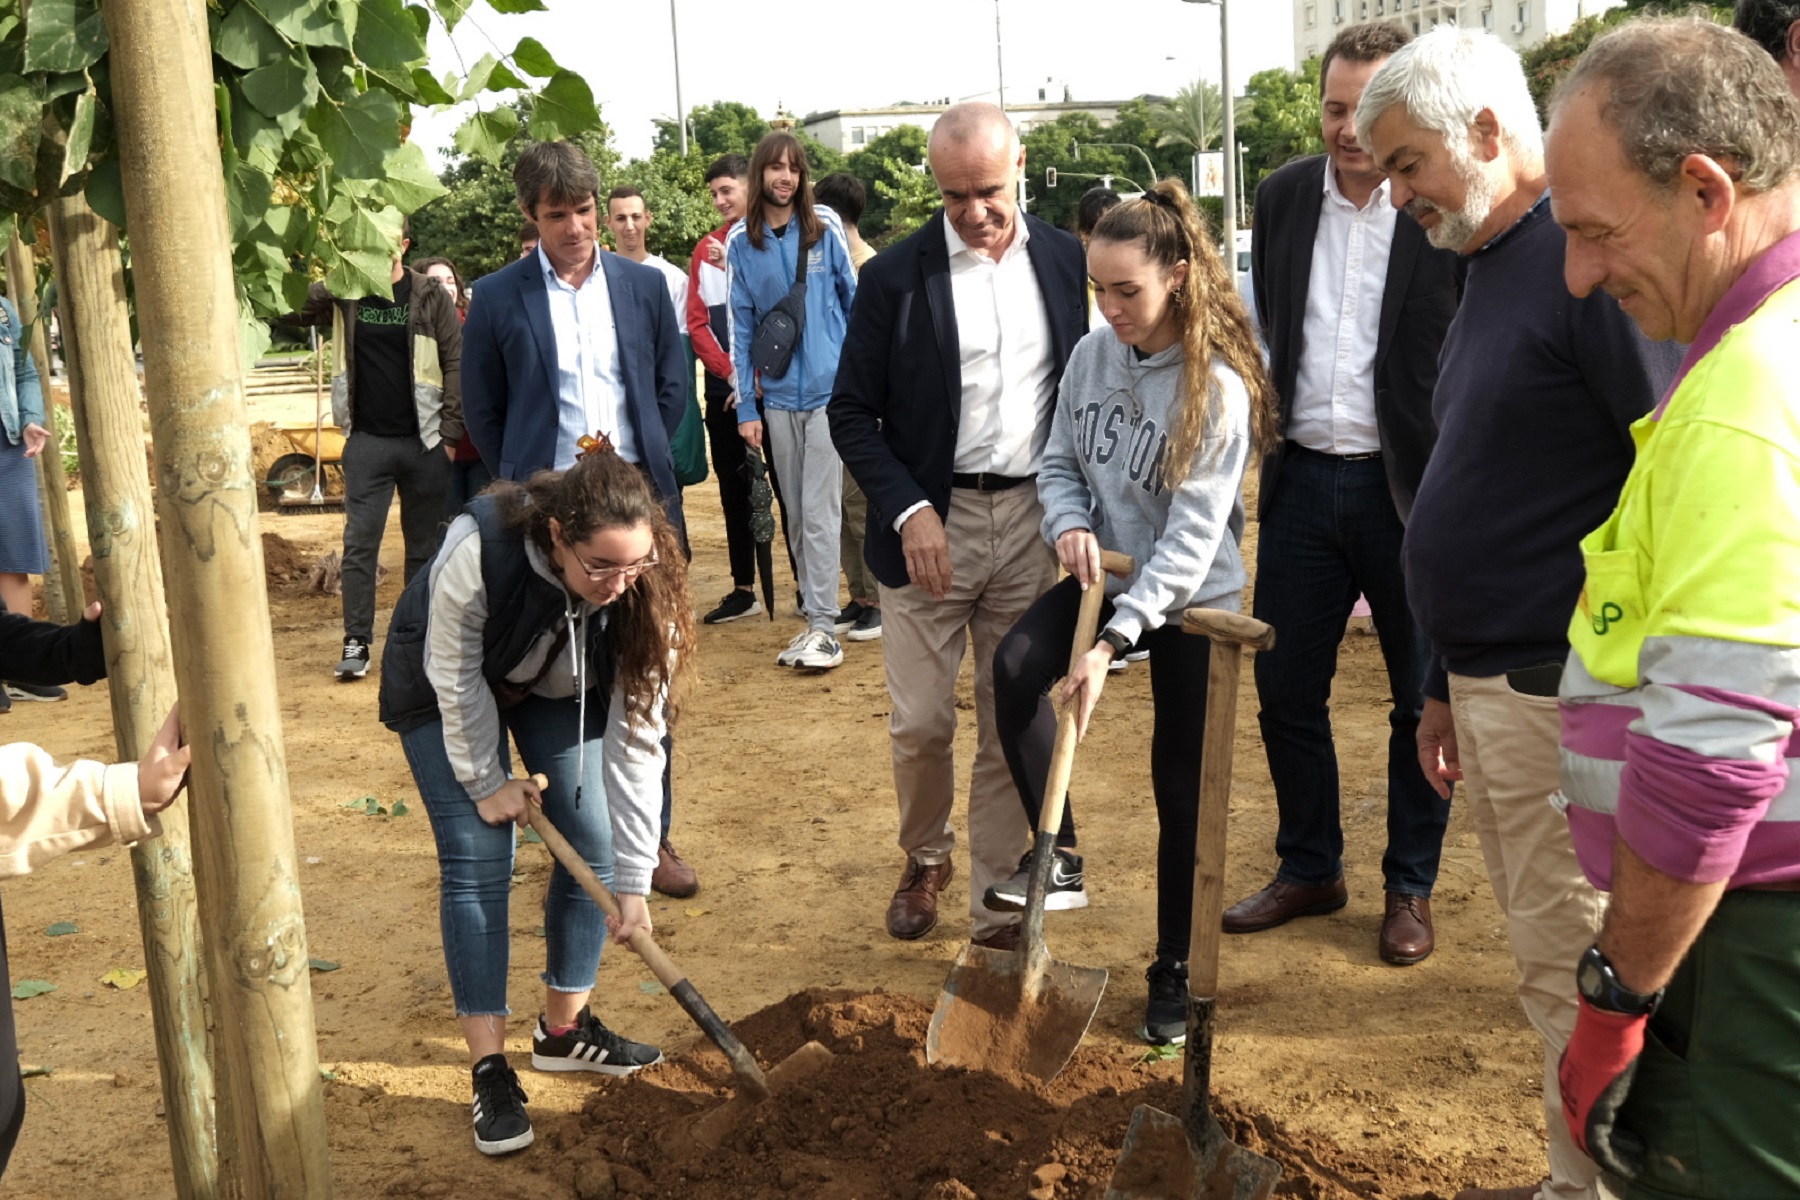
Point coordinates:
[[1033, 655]]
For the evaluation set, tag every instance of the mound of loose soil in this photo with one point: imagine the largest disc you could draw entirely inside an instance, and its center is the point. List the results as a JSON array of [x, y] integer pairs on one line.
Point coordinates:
[[877, 1121]]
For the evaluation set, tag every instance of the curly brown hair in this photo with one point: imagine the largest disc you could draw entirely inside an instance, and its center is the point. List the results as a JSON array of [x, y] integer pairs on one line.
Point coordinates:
[[1213, 320], [653, 621]]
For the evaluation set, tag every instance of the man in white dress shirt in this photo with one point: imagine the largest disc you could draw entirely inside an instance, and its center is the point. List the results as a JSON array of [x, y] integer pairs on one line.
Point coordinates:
[[1353, 305], [944, 394]]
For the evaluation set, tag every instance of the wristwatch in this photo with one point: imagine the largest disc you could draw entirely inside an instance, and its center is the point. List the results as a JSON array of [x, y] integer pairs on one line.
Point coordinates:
[[1599, 985], [1114, 639]]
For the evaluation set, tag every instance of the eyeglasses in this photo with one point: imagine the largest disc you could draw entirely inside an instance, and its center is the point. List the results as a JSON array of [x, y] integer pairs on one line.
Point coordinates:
[[603, 574]]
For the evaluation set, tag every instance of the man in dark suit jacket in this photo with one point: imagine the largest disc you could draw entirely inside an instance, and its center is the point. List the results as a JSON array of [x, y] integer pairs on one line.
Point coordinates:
[[1353, 305], [535, 376], [945, 389], [568, 342]]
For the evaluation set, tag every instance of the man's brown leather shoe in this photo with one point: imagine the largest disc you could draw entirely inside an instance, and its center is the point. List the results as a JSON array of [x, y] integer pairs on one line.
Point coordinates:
[[673, 877], [1004, 938], [912, 913], [1281, 902], [1406, 936]]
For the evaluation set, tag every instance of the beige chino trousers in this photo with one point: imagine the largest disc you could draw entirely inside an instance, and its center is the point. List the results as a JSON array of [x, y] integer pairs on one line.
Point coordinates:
[[999, 564], [1508, 745]]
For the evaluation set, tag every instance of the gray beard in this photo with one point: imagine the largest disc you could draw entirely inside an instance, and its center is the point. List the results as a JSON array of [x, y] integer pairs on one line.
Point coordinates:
[[1455, 230]]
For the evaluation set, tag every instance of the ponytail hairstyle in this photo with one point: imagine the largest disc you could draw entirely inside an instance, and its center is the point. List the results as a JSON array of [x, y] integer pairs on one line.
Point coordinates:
[[1211, 315], [654, 620]]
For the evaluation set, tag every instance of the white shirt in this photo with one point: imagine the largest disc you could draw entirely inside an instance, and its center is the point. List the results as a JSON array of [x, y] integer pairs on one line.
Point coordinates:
[[1334, 389], [677, 282], [590, 390], [1008, 365]]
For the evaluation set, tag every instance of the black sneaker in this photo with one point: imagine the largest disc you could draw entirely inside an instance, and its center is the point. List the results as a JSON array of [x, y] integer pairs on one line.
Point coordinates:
[[1067, 889], [501, 1125], [590, 1046], [5, 702], [737, 604], [31, 691], [849, 615], [356, 659], [868, 626], [1165, 1015]]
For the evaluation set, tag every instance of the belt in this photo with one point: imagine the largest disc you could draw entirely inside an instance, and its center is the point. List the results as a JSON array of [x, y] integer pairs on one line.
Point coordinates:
[[982, 481], [1373, 454]]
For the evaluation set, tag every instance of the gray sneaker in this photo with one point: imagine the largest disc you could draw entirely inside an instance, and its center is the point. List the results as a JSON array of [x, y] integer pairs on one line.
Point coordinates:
[[819, 652]]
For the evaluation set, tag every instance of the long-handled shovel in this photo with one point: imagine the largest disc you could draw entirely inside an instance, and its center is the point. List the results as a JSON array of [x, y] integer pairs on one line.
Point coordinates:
[[1020, 1010], [751, 1079], [1188, 1157]]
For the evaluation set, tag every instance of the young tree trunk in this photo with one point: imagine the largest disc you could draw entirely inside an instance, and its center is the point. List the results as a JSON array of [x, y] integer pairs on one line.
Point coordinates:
[[56, 605], [161, 67], [64, 582], [140, 670]]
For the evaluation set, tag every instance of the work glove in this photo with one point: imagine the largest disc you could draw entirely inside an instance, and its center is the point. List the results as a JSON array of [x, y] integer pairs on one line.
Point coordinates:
[[1595, 1075]]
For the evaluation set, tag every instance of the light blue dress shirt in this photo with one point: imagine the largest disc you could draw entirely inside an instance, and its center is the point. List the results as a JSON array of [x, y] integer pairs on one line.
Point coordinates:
[[590, 389]]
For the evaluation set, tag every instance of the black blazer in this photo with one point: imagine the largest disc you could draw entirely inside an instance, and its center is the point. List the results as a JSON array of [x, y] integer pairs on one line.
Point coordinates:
[[1424, 287], [898, 396]]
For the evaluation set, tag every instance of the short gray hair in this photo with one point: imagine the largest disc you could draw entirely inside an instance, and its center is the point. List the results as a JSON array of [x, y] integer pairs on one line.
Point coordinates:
[[969, 120], [1445, 78], [1684, 85], [558, 172]]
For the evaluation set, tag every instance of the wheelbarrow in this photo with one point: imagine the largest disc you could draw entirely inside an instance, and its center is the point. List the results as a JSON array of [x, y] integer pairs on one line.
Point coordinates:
[[296, 481]]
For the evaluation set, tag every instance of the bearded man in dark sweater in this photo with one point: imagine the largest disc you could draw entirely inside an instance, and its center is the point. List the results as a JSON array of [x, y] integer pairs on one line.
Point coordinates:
[[1535, 397]]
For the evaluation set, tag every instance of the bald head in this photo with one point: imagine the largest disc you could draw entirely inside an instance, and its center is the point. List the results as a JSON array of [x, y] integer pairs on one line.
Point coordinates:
[[974, 123], [977, 161]]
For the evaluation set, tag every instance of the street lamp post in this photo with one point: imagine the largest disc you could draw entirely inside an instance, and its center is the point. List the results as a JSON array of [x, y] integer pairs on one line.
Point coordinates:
[[1228, 127], [680, 112]]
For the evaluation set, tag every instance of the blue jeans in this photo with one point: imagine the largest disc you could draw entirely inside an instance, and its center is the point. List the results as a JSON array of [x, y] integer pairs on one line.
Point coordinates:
[[475, 859], [1331, 532]]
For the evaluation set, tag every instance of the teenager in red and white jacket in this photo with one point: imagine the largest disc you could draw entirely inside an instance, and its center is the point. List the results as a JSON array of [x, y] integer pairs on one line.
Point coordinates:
[[707, 297]]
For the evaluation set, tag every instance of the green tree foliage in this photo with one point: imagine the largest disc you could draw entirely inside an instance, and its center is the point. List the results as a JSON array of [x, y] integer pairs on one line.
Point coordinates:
[[1553, 58], [886, 167], [1192, 119], [727, 127], [677, 199], [1278, 121], [910, 193], [314, 98]]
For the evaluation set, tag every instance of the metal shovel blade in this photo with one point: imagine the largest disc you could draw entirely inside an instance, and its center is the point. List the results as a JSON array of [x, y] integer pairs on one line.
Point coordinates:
[[996, 1015], [1164, 1160]]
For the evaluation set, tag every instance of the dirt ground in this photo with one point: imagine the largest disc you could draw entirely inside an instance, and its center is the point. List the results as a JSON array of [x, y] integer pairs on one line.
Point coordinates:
[[1365, 1079]]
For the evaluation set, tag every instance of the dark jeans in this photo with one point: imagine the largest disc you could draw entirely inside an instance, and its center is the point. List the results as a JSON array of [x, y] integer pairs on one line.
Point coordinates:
[[467, 481], [373, 468], [1035, 654], [1331, 532], [727, 446]]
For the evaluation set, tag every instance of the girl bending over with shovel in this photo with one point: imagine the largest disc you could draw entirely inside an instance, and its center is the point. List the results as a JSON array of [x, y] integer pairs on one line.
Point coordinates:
[[1153, 426], [554, 611]]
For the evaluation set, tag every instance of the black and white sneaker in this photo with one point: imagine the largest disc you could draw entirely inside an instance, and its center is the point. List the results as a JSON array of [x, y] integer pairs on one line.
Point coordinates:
[[736, 605], [590, 1046], [1067, 889], [356, 659], [501, 1125], [868, 626], [849, 615], [1165, 1014], [32, 691]]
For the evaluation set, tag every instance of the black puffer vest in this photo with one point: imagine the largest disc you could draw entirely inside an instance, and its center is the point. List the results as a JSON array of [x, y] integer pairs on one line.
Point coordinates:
[[522, 607]]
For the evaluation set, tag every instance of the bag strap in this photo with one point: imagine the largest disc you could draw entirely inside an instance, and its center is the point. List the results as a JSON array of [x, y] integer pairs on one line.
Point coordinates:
[[799, 287]]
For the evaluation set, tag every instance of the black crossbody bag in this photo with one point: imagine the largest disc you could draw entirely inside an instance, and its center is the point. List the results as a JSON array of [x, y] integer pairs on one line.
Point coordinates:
[[778, 333]]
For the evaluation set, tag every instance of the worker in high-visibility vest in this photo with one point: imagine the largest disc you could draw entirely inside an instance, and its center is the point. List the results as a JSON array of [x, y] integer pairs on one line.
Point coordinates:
[[1674, 164]]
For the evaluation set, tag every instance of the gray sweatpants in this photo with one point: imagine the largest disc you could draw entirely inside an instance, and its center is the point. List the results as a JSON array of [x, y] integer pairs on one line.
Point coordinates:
[[812, 487]]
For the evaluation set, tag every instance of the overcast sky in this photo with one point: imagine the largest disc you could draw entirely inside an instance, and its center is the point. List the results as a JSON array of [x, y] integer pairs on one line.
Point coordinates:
[[876, 54]]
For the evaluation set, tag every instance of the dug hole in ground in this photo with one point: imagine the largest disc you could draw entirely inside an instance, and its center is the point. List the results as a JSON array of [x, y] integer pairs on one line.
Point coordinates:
[[1362, 1079]]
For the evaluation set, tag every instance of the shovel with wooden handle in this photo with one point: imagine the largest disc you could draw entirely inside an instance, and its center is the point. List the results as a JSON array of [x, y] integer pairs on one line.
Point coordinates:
[[750, 1077], [1021, 1010], [1187, 1156]]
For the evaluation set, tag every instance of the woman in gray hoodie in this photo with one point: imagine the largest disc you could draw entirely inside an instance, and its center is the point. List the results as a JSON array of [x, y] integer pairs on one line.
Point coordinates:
[[1154, 425]]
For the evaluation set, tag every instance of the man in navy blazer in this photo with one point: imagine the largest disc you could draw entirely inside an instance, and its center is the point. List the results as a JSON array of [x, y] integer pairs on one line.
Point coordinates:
[[570, 341], [945, 388]]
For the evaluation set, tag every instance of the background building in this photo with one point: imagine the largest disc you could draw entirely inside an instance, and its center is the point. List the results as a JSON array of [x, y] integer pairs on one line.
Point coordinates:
[[847, 130], [1518, 23]]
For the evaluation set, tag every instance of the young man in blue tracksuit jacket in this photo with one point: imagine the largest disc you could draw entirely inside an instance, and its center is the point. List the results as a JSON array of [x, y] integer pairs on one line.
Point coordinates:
[[788, 414]]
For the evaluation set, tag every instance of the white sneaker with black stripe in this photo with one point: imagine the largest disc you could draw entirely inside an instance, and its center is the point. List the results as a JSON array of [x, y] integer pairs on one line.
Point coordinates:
[[501, 1125], [589, 1046]]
